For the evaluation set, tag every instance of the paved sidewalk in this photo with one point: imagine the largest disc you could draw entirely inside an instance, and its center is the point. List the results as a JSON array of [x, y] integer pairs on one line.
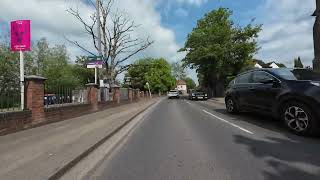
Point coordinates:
[[40, 152]]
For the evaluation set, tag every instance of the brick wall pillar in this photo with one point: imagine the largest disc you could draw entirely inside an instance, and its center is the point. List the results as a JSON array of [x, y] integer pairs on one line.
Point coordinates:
[[130, 95], [137, 94], [93, 95], [34, 97], [141, 94], [116, 94]]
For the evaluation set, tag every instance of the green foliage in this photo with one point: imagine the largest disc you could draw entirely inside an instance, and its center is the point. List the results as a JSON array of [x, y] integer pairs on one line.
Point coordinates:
[[218, 49], [190, 83], [155, 71], [49, 62], [9, 68], [298, 63]]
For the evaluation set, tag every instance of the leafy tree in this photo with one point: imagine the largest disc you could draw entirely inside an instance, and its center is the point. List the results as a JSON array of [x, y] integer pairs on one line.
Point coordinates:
[[217, 48], [157, 72], [190, 83], [80, 70], [178, 71], [298, 63]]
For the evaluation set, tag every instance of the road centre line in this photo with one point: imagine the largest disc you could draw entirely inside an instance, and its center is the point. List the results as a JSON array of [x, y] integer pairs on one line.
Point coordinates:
[[223, 120]]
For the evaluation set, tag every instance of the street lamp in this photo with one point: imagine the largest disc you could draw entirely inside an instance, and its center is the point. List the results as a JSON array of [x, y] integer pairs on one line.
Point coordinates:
[[149, 89]]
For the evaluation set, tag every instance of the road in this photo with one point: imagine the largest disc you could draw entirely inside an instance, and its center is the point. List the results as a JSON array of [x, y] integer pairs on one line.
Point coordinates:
[[182, 140]]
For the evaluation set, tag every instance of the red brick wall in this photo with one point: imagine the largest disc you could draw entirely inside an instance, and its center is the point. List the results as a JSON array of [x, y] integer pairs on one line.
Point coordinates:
[[13, 121], [34, 98], [130, 95], [53, 114], [116, 94]]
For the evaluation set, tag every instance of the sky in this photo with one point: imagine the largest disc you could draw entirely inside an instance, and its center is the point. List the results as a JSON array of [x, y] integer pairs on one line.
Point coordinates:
[[287, 24]]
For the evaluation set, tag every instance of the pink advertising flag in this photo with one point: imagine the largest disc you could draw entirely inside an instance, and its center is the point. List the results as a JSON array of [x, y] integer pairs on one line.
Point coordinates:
[[20, 35]]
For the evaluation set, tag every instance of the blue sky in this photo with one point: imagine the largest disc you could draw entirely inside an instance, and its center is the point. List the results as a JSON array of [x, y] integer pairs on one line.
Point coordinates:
[[287, 24], [286, 34], [183, 17]]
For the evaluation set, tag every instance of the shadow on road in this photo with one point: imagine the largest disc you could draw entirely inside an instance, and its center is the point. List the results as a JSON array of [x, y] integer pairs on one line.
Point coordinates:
[[265, 122], [289, 159]]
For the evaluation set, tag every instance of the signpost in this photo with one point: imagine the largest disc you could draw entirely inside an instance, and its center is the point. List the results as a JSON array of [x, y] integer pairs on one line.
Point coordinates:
[[95, 63], [20, 41]]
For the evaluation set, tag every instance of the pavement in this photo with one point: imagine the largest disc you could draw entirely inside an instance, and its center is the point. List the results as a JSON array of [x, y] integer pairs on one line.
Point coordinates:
[[182, 139], [40, 153], [217, 100]]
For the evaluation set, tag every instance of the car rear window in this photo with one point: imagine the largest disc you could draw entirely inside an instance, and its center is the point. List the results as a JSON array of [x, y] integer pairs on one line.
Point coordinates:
[[297, 74], [200, 93]]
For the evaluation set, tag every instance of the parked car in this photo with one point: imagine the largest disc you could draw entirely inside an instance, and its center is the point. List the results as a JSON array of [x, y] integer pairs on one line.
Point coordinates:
[[174, 94], [50, 99], [198, 95], [292, 95]]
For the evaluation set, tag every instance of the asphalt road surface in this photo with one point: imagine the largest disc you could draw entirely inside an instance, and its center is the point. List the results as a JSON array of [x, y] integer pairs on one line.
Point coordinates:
[[182, 140]]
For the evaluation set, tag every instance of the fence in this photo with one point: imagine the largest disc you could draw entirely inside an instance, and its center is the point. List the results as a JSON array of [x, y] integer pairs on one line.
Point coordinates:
[[59, 95], [80, 96], [123, 94], [10, 99], [104, 95]]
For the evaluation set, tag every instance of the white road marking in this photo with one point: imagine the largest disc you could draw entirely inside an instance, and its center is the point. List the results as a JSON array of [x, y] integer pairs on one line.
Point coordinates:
[[223, 120], [188, 102]]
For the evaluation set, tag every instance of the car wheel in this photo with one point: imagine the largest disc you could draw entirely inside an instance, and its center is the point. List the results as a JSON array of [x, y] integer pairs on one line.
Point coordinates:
[[299, 118], [231, 106]]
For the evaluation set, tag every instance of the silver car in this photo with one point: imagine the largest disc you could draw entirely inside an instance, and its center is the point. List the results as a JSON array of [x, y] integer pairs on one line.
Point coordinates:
[[173, 94]]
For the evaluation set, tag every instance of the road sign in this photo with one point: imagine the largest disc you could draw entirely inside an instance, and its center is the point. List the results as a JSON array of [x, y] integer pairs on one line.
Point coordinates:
[[94, 64], [20, 35]]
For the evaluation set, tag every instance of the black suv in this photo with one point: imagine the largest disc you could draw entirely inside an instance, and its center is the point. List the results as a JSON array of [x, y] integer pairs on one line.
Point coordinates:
[[292, 95], [198, 95]]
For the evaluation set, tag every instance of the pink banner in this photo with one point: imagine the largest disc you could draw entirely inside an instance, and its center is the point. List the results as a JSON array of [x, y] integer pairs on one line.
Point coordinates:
[[20, 35]]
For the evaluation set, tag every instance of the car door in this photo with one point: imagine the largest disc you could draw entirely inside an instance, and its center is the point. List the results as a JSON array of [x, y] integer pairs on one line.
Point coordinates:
[[264, 91], [242, 89]]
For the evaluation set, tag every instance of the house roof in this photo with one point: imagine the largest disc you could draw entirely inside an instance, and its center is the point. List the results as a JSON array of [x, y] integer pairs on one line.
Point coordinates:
[[181, 82]]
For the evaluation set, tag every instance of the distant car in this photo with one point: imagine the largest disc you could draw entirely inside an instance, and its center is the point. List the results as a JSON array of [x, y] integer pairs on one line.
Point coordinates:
[[198, 95], [50, 99], [292, 95], [174, 94]]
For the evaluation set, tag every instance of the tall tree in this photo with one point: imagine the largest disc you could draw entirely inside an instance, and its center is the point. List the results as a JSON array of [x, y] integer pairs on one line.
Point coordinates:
[[217, 48], [298, 63], [117, 37], [190, 83], [157, 72], [178, 71]]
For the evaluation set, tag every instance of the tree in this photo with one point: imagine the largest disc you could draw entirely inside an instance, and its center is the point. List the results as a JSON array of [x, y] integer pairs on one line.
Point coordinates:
[[157, 72], [178, 71], [190, 83], [218, 49], [117, 37], [298, 63]]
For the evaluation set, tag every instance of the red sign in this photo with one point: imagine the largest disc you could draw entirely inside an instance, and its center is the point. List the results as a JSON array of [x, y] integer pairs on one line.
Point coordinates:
[[20, 35]]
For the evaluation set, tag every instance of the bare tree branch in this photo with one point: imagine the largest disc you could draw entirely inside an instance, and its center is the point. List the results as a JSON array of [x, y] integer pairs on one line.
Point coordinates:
[[118, 40], [81, 47]]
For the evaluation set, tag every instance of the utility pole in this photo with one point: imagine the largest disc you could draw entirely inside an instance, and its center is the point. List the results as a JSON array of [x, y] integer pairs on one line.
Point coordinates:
[[316, 38], [98, 27], [99, 39]]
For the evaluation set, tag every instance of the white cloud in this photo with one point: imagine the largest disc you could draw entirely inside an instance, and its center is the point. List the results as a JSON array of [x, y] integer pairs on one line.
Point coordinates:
[[287, 30], [181, 12], [193, 2], [50, 19]]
